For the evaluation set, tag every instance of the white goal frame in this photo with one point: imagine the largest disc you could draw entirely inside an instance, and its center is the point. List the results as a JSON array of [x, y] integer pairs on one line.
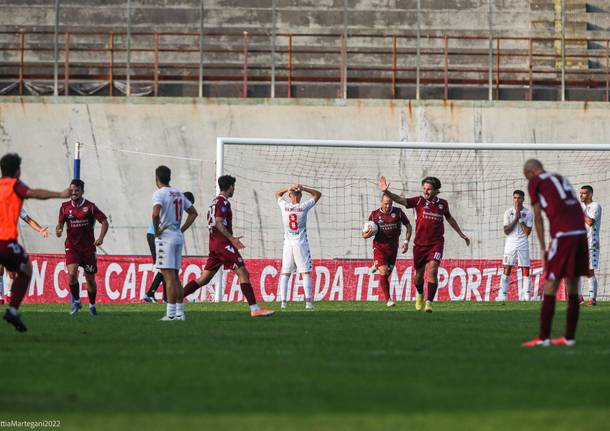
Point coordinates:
[[221, 142]]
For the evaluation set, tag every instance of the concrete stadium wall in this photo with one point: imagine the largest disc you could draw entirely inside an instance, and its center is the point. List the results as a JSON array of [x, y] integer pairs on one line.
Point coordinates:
[[126, 139]]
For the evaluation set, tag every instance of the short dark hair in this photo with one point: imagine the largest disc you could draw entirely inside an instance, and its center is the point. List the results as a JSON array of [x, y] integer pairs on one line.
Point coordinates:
[[10, 164], [433, 181], [225, 182], [190, 197], [164, 174], [78, 183], [520, 193], [588, 187]]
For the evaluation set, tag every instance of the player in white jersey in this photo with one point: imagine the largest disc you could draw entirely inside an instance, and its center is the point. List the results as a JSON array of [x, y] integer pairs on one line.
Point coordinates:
[[593, 220], [296, 255], [168, 205], [23, 215], [518, 222]]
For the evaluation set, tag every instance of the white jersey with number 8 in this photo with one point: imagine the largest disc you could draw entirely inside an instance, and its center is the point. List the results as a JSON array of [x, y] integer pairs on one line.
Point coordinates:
[[294, 217]]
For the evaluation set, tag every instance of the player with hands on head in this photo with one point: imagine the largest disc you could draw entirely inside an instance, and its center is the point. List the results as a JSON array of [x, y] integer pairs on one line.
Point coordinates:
[[296, 255]]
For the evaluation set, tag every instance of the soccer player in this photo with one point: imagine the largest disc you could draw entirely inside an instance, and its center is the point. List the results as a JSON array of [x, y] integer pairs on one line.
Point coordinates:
[[518, 223], [568, 254], [23, 215], [390, 220], [150, 238], [296, 254], [168, 206], [80, 215], [593, 220], [430, 211], [224, 248], [12, 255]]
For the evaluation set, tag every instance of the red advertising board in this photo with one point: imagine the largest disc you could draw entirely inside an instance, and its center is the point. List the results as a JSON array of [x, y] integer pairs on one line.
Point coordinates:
[[122, 279]]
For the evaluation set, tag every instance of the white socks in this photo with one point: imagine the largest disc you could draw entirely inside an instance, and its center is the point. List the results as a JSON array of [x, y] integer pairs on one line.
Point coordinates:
[[171, 310], [593, 287], [504, 284], [526, 288], [307, 287], [254, 307], [284, 287], [180, 309]]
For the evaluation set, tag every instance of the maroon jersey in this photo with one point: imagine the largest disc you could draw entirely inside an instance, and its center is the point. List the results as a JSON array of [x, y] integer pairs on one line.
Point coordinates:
[[559, 201], [429, 222], [390, 226], [220, 207], [81, 220]]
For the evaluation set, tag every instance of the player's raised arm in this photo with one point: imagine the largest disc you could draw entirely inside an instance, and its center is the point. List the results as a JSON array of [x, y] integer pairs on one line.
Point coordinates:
[[281, 192], [315, 194], [191, 215], [456, 227], [384, 187], [43, 194], [35, 225]]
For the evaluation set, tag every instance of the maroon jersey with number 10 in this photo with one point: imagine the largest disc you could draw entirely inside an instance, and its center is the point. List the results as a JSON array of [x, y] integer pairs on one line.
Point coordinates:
[[429, 224]]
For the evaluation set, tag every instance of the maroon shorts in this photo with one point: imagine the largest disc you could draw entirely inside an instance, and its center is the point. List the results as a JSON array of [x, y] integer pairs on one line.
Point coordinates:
[[12, 256], [568, 256], [385, 256], [423, 254], [228, 257], [87, 260]]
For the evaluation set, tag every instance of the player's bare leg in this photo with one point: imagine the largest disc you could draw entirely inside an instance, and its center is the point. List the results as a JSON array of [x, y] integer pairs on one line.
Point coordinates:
[[246, 288], [20, 286], [419, 287], [193, 285], [91, 292], [74, 288], [504, 282], [384, 282], [432, 284]]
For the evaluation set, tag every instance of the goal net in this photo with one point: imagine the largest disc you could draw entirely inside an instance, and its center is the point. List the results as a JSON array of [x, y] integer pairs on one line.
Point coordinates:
[[478, 183]]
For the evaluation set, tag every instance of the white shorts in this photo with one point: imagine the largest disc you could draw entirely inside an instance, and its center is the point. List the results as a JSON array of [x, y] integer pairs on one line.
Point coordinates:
[[516, 254], [594, 259], [169, 253], [296, 256]]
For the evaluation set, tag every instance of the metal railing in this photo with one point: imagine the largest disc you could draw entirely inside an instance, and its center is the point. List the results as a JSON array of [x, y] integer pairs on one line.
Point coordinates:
[[394, 63]]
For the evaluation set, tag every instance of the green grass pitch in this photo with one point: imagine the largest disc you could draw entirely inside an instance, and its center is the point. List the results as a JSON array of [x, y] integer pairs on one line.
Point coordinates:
[[345, 366]]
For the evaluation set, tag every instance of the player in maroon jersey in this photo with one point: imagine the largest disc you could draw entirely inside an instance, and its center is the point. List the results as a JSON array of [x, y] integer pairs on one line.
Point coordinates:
[[224, 248], [568, 254], [389, 219], [429, 234], [80, 216]]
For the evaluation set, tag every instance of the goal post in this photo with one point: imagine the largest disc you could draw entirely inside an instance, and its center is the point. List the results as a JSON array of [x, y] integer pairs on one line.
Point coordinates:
[[477, 180]]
